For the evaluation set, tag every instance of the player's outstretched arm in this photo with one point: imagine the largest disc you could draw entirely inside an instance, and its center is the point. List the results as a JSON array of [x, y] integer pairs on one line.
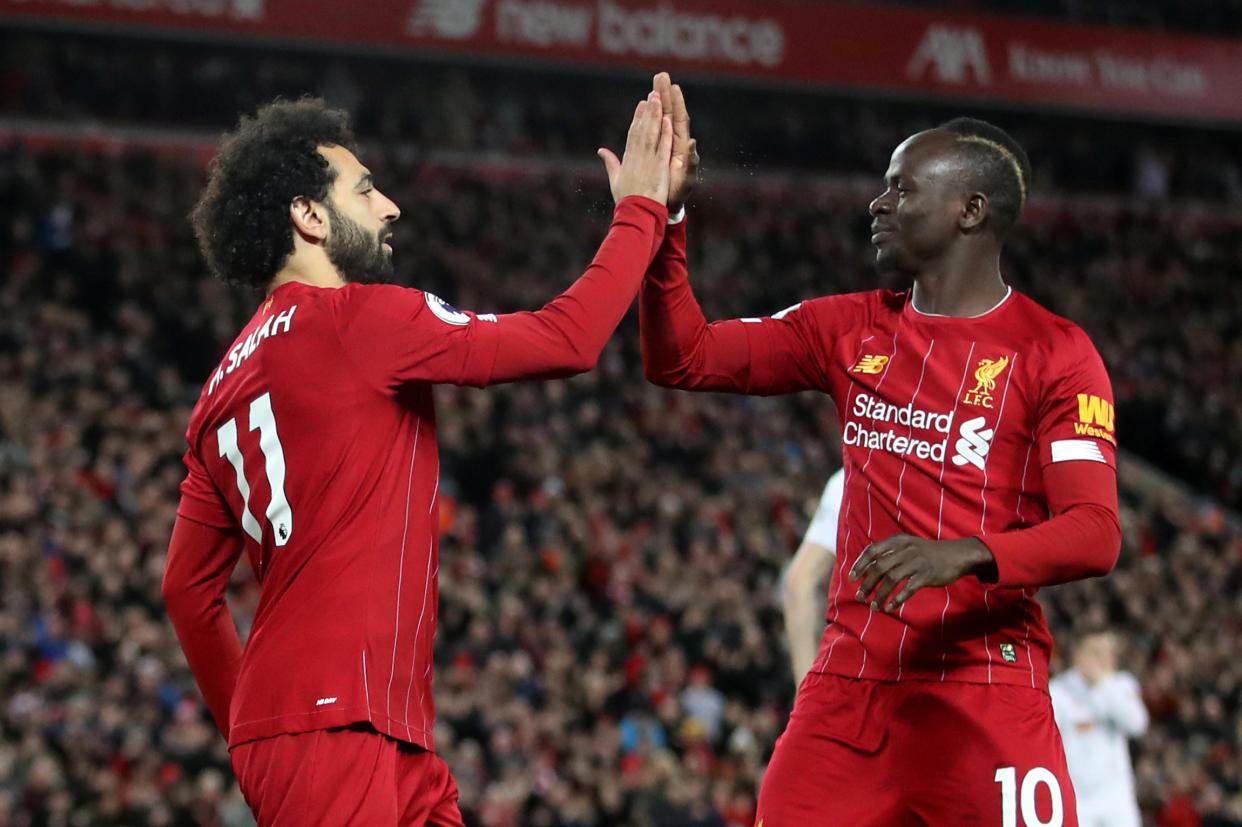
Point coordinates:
[[196, 573], [396, 336], [680, 349], [568, 334]]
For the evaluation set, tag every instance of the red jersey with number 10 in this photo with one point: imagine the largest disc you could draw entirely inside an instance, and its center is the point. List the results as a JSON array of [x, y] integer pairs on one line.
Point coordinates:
[[948, 424]]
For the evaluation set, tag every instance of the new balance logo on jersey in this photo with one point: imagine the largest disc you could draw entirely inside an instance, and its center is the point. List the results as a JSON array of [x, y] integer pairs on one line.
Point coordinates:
[[974, 444], [870, 364], [985, 382], [448, 19], [953, 52]]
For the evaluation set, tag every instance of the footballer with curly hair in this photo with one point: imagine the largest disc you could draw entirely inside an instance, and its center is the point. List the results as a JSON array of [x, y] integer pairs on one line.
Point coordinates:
[[312, 449]]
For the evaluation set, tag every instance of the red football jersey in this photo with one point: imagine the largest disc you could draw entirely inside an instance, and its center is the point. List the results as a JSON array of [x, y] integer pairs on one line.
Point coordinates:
[[316, 439], [948, 424]]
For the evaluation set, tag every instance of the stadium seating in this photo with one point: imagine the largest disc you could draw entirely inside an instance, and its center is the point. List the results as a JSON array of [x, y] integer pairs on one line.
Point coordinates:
[[610, 550]]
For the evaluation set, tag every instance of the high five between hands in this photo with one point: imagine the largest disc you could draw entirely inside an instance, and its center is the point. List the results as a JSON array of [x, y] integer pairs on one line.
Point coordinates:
[[660, 159]]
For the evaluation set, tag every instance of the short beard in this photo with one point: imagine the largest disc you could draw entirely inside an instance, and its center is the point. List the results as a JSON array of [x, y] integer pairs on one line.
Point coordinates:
[[895, 267], [357, 256]]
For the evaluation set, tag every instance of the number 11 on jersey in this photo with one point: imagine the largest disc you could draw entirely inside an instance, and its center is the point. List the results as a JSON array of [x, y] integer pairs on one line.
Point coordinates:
[[279, 514]]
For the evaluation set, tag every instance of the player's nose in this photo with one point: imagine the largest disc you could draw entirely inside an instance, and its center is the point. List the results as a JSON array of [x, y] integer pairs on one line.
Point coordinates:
[[880, 204], [387, 208]]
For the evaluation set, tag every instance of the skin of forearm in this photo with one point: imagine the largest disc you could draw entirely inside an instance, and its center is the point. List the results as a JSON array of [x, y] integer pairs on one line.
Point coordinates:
[[804, 625]]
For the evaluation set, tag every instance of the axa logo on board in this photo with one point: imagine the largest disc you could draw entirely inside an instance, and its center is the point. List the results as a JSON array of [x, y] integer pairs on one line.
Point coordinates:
[[955, 54], [651, 30]]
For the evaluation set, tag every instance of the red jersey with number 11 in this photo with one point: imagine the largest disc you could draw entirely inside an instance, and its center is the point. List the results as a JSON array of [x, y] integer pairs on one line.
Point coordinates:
[[315, 441]]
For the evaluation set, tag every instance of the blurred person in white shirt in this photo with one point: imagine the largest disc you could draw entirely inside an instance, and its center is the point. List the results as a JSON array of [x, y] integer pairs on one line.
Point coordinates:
[[802, 592], [1098, 709]]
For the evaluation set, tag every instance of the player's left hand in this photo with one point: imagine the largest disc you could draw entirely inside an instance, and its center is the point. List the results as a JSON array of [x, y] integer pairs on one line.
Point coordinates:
[[918, 562]]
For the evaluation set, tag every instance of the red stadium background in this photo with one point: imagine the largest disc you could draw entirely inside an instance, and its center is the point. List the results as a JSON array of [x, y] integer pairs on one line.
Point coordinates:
[[611, 650]]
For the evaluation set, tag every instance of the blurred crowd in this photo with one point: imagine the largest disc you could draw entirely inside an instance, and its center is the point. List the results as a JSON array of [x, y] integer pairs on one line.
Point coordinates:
[[1174, 380], [610, 647], [493, 110]]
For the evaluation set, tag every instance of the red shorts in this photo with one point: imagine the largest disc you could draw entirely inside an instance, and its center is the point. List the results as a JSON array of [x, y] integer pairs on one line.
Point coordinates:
[[336, 777], [873, 754]]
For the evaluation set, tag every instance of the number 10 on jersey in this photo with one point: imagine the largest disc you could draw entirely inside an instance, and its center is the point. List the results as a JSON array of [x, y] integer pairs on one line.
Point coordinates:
[[1007, 777], [279, 514]]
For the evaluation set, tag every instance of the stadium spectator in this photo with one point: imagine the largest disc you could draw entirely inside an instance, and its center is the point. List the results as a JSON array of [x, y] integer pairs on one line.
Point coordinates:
[[1098, 710], [805, 579]]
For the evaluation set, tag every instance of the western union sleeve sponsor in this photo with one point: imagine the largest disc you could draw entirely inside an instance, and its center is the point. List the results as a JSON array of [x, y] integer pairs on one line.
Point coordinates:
[[1096, 418], [1092, 410]]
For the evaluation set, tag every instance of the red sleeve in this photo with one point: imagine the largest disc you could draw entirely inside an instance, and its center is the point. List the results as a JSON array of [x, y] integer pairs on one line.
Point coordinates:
[[1076, 415], [568, 334], [760, 356], [1081, 539], [196, 573], [200, 500], [1075, 433], [398, 335]]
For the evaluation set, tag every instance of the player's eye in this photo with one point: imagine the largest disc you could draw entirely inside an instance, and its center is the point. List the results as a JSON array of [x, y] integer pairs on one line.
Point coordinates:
[[367, 192]]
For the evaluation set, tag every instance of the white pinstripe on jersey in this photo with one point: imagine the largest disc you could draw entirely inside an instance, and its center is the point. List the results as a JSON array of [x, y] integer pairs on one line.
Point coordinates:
[[825, 655], [1026, 594], [948, 598], [396, 627], [421, 614], [901, 479], [870, 453], [983, 511]]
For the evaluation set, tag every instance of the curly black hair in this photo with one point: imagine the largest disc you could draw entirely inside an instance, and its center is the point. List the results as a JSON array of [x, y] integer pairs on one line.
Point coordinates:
[[242, 220], [998, 166]]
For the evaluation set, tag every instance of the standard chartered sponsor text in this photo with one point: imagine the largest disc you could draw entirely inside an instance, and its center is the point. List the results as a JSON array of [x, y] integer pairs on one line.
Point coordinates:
[[911, 418]]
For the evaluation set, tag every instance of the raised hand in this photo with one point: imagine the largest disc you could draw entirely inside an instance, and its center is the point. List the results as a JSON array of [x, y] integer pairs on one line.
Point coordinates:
[[644, 169], [684, 167]]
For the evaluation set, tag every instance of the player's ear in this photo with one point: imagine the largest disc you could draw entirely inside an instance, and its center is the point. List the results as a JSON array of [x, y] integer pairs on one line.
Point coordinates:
[[974, 212], [310, 218]]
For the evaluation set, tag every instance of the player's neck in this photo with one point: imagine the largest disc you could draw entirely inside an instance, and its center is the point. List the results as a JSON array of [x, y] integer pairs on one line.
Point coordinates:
[[308, 266], [960, 288]]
